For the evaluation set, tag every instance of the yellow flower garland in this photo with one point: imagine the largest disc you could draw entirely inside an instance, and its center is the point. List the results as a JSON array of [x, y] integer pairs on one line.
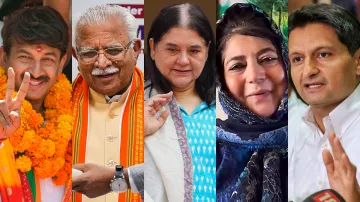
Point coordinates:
[[45, 148]]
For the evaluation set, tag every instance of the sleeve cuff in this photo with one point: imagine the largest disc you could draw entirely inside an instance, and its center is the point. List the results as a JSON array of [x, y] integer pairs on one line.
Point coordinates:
[[132, 184]]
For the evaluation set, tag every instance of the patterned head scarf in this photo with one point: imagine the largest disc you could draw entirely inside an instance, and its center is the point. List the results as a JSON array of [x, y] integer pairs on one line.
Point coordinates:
[[231, 107]]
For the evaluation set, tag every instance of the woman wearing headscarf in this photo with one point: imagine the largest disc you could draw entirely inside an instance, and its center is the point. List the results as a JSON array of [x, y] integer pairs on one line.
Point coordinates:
[[252, 65]]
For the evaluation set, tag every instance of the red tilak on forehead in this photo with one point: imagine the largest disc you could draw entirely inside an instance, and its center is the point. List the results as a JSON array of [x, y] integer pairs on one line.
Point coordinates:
[[38, 48]]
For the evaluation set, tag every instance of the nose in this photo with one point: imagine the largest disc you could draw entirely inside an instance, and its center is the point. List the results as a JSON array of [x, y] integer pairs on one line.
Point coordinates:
[[183, 59], [102, 61], [36, 70], [255, 73], [310, 69]]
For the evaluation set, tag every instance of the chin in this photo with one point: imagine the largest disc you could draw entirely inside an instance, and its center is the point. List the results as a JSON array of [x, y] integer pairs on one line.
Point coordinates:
[[267, 112], [105, 90], [181, 84], [35, 97], [315, 101]]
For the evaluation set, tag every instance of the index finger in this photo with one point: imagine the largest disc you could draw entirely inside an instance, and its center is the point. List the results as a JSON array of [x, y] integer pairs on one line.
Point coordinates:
[[328, 162], [80, 167], [10, 86], [167, 96], [156, 104], [336, 146], [23, 89]]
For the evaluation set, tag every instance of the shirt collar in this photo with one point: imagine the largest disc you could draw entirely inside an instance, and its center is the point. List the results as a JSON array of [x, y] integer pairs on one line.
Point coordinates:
[[202, 106], [341, 118], [114, 98], [104, 99]]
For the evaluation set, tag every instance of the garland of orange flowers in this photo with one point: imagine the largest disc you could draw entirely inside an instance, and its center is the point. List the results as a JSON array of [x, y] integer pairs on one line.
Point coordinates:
[[45, 146]]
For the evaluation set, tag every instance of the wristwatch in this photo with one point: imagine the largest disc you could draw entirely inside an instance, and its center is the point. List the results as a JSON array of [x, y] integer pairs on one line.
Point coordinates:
[[118, 183]]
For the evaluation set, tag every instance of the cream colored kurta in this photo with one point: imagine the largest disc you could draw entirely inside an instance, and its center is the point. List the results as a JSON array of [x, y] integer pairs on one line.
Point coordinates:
[[103, 139]]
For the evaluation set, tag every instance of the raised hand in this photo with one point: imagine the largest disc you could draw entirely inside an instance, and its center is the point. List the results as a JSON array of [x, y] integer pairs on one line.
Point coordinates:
[[10, 107], [341, 173], [153, 106]]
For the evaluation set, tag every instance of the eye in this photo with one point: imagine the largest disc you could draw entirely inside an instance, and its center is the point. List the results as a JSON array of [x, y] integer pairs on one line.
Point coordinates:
[[237, 67], [172, 50], [195, 51], [297, 59], [114, 51], [89, 54], [24, 58], [269, 60], [324, 54], [48, 59]]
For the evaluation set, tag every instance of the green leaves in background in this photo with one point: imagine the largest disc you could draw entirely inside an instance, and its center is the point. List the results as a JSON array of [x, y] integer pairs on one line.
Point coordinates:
[[277, 9]]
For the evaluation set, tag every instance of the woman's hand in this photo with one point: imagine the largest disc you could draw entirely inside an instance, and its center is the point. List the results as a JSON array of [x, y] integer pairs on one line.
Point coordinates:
[[153, 106]]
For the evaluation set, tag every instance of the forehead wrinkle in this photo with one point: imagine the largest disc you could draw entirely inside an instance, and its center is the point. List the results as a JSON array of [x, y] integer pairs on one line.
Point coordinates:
[[114, 44], [101, 39], [85, 48]]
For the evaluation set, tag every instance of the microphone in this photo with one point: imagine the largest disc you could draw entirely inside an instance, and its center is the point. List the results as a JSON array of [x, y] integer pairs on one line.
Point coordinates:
[[327, 195]]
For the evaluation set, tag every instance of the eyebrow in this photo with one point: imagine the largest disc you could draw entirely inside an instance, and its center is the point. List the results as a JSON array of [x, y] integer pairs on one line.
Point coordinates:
[[264, 50], [171, 44], [238, 57], [192, 46], [23, 51], [117, 44], [50, 54], [26, 52], [86, 48], [241, 57], [312, 51]]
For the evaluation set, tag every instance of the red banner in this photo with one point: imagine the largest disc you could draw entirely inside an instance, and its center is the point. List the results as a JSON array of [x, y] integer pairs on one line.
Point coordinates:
[[137, 10]]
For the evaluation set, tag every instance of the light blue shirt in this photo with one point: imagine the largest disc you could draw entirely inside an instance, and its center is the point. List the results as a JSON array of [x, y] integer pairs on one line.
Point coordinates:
[[201, 133]]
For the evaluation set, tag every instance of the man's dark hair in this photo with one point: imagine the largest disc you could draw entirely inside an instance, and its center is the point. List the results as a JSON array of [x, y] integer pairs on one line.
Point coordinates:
[[345, 24], [9, 6], [36, 25]]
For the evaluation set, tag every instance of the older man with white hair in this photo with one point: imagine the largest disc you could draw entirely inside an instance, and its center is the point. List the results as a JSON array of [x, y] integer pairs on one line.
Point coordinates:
[[108, 94]]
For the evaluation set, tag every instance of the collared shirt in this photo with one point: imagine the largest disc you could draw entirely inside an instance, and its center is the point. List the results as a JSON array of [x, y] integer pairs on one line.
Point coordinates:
[[114, 98], [104, 138], [296, 109], [201, 134], [307, 167]]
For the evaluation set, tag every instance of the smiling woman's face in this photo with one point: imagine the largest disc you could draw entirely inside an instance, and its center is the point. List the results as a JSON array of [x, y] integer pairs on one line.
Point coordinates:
[[254, 73], [180, 56]]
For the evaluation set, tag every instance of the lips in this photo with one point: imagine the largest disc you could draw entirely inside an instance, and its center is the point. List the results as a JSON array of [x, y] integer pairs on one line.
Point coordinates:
[[181, 70], [259, 92], [105, 75], [35, 82], [314, 85]]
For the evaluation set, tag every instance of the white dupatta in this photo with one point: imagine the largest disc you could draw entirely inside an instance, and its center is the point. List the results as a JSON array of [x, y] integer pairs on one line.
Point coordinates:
[[168, 164]]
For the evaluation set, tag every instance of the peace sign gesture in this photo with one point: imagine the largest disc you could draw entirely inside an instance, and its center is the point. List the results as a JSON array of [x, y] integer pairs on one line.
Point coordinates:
[[10, 107]]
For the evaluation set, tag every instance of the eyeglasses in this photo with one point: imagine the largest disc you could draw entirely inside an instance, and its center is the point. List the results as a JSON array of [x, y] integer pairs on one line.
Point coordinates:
[[113, 53]]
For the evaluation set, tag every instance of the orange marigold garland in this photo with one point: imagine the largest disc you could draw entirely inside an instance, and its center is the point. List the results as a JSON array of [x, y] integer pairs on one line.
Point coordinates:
[[44, 143]]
